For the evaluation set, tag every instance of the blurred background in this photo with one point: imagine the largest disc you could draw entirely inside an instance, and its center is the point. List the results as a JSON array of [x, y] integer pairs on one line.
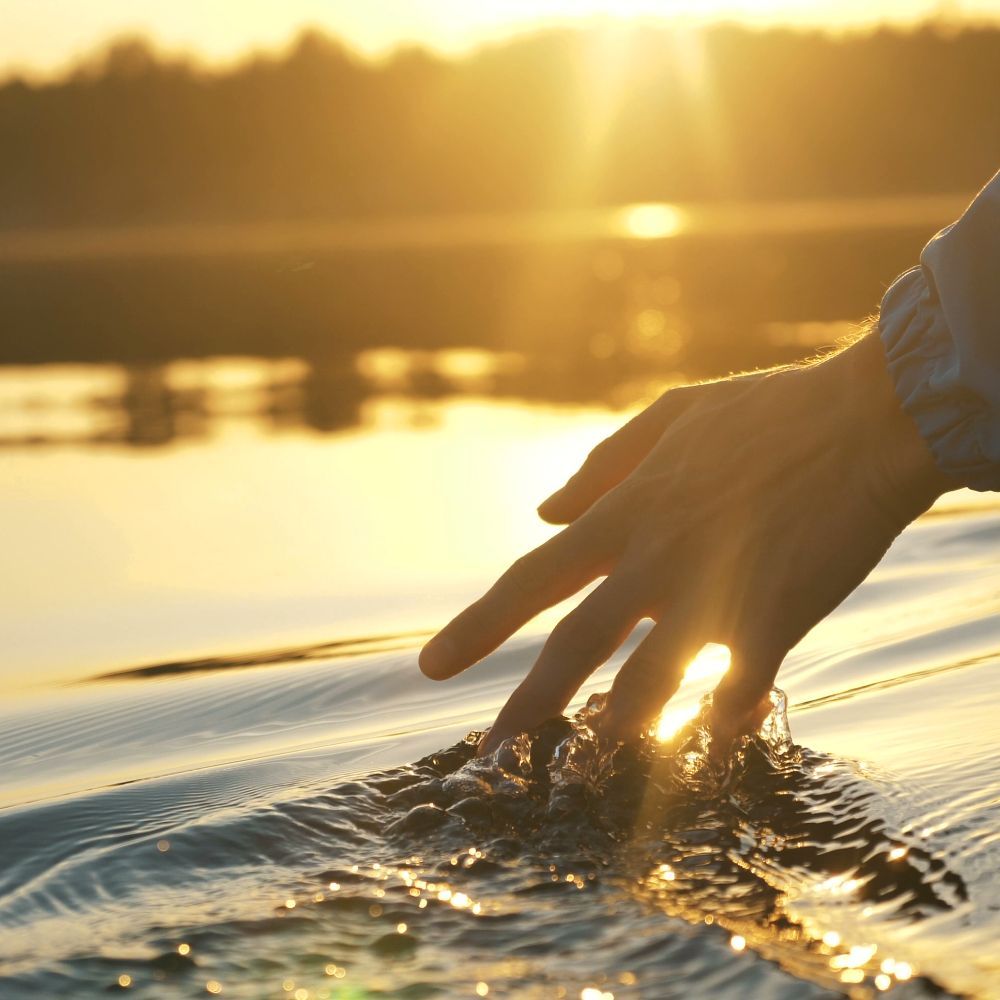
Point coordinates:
[[305, 305]]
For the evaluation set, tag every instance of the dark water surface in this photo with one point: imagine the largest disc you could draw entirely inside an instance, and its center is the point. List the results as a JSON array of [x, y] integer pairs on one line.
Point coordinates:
[[555, 867]]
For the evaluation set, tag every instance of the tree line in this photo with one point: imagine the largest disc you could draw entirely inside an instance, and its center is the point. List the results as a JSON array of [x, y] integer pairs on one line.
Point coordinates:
[[557, 120]]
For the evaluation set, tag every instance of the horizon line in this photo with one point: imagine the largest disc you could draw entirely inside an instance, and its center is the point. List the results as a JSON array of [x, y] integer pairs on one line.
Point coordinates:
[[90, 57]]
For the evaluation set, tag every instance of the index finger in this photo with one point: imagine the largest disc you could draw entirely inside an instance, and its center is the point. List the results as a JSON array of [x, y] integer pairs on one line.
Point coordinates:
[[557, 569]]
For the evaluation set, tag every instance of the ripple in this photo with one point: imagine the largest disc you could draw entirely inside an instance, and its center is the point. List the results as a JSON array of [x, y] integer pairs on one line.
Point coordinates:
[[557, 863]]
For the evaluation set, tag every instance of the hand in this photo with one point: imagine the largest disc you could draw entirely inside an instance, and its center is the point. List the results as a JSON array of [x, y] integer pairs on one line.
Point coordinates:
[[741, 511]]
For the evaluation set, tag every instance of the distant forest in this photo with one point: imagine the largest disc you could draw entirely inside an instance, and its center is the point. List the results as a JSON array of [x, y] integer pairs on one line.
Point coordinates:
[[555, 120]]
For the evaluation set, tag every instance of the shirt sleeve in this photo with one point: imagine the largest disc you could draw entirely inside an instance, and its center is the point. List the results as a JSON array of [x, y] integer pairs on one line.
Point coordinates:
[[940, 326]]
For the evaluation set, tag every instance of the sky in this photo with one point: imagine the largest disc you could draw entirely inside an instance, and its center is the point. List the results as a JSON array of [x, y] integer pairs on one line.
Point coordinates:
[[41, 37]]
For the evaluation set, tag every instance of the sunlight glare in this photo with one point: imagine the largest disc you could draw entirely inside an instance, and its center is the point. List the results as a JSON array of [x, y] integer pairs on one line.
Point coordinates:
[[711, 662], [650, 221], [672, 719]]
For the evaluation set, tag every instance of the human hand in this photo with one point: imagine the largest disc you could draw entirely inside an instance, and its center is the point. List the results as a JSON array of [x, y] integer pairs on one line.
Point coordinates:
[[740, 511]]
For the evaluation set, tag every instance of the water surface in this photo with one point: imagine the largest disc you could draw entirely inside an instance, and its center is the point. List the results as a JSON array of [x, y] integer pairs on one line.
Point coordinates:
[[222, 772]]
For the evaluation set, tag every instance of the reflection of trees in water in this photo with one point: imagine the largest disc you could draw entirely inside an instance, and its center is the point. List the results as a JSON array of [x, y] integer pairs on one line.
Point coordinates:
[[624, 363], [153, 413], [596, 320], [332, 393], [327, 395], [700, 299]]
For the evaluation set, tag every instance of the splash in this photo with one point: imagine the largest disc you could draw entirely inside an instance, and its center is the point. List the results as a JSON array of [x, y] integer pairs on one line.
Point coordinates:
[[560, 862], [716, 830], [696, 760]]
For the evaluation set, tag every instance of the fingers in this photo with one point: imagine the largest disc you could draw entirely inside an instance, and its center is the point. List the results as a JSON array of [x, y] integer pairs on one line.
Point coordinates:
[[651, 675], [545, 576], [578, 645], [613, 459], [741, 700]]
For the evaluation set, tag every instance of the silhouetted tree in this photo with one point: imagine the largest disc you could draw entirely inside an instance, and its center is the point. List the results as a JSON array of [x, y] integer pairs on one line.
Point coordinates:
[[560, 119]]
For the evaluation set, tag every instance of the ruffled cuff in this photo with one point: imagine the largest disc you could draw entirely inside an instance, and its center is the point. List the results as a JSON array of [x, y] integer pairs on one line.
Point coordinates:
[[923, 364]]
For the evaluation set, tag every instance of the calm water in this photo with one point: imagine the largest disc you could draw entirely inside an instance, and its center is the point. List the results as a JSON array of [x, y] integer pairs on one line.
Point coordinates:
[[223, 774]]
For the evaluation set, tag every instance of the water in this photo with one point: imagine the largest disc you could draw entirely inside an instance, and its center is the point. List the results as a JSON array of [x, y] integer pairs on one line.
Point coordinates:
[[222, 772]]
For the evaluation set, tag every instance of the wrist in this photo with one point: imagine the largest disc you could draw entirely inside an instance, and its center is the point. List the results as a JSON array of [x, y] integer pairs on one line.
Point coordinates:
[[891, 450]]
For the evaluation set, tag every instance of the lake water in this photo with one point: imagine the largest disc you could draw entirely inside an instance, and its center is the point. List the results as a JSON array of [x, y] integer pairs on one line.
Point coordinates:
[[223, 774]]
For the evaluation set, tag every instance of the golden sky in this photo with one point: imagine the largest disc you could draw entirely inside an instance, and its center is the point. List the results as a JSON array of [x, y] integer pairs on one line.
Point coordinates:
[[42, 36]]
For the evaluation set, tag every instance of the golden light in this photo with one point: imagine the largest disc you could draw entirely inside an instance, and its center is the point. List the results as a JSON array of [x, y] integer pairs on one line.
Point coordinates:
[[650, 221], [40, 43], [839, 885], [672, 719], [858, 956], [710, 663]]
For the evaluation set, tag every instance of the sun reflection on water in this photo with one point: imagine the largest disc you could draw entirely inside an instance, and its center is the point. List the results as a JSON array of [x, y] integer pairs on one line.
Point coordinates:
[[651, 221]]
